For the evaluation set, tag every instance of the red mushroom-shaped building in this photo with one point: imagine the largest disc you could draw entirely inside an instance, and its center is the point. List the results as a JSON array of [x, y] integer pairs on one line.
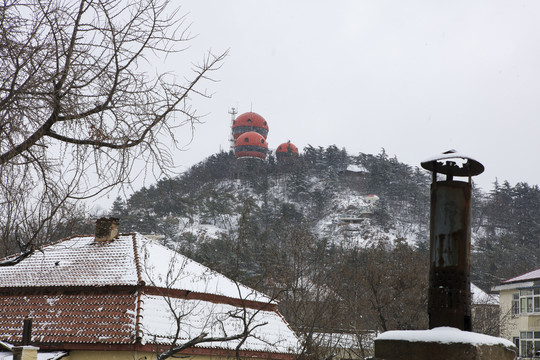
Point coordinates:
[[250, 145], [249, 121], [286, 150]]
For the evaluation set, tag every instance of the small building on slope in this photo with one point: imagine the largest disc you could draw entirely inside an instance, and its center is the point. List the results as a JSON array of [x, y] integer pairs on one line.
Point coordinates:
[[125, 296]]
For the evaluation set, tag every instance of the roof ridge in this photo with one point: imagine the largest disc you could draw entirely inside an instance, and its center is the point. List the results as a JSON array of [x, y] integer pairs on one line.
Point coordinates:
[[518, 276], [136, 258], [140, 283], [41, 247]]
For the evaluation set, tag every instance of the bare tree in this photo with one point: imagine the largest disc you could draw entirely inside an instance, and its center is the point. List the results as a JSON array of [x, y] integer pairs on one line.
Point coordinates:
[[486, 318], [248, 319], [78, 107], [385, 287], [191, 318]]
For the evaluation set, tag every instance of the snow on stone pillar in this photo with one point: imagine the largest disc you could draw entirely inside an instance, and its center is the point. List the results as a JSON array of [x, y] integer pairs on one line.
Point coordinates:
[[449, 297]]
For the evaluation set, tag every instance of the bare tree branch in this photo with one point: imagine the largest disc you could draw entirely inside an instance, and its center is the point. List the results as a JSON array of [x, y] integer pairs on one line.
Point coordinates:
[[247, 316], [78, 108], [17, 259]]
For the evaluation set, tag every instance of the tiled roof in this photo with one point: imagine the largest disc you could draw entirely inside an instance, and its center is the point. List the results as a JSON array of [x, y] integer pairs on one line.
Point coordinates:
[[218, 320], [80, 261], [532, 275], [77, 261], [162, 267], [480, 297], [78, 291], [103, 319]]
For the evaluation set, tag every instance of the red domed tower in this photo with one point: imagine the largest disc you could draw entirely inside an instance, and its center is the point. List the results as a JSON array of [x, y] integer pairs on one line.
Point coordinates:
[[285, 150], [250, 145], [249, 121]]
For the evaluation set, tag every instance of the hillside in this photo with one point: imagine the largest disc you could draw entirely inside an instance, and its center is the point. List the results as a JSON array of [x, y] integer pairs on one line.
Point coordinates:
[[329, 222], [222, 195]]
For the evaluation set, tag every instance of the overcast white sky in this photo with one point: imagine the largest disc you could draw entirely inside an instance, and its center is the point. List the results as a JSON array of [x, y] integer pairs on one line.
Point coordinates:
[[413, 77]]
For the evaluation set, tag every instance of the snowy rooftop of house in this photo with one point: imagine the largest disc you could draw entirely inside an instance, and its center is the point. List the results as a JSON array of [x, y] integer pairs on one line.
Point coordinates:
[[444, 335], [116, 296], [532, 275], [480, 297], [128, 260]]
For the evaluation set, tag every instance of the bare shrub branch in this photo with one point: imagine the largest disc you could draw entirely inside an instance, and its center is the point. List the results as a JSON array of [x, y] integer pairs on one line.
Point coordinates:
[[78, 107]]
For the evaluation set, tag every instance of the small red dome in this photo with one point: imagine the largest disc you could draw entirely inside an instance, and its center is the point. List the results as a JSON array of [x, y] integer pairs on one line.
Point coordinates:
[[250, 144], [287, 148], [249, 121]]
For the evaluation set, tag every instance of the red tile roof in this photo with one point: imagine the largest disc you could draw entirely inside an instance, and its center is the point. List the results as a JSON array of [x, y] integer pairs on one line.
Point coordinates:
[[531, 275], [81, 318], [128, 260], [77, 261], [82, 293]]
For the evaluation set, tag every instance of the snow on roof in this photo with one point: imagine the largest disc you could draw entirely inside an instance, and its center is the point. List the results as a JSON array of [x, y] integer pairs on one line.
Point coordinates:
[[163, 267], [77, 261], [50, 355], [444, 335], [532, 275], [131, 262], [80, 261], [218, 320], [480, 297], [6, 345]]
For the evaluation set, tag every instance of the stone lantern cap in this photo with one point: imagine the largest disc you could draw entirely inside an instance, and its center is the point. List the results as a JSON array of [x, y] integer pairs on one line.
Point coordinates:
[[453, 163]]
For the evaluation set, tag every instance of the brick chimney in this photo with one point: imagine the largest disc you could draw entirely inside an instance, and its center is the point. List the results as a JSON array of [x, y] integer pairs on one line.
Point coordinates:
[[106, 229]]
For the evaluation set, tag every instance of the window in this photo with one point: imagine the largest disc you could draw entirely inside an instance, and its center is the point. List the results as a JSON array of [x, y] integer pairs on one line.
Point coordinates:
[[529, 343], [529, 301], [515, 304]]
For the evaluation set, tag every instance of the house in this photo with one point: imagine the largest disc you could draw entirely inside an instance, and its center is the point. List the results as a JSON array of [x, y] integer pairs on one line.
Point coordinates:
[[485, 312], [125, 296], [520, 312]]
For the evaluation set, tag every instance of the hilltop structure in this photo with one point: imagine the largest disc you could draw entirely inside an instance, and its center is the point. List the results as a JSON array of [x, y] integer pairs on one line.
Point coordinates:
[[247, 122], [286, 150], [250, 145], [247, 126]]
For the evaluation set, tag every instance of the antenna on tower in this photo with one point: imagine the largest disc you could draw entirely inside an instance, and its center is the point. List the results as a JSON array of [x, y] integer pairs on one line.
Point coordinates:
[[233, 113]]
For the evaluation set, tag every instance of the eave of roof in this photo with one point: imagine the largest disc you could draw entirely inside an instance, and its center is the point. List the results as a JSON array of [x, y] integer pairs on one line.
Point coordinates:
[[204, 351], [129, 260], [513, 286], [529, 276]]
